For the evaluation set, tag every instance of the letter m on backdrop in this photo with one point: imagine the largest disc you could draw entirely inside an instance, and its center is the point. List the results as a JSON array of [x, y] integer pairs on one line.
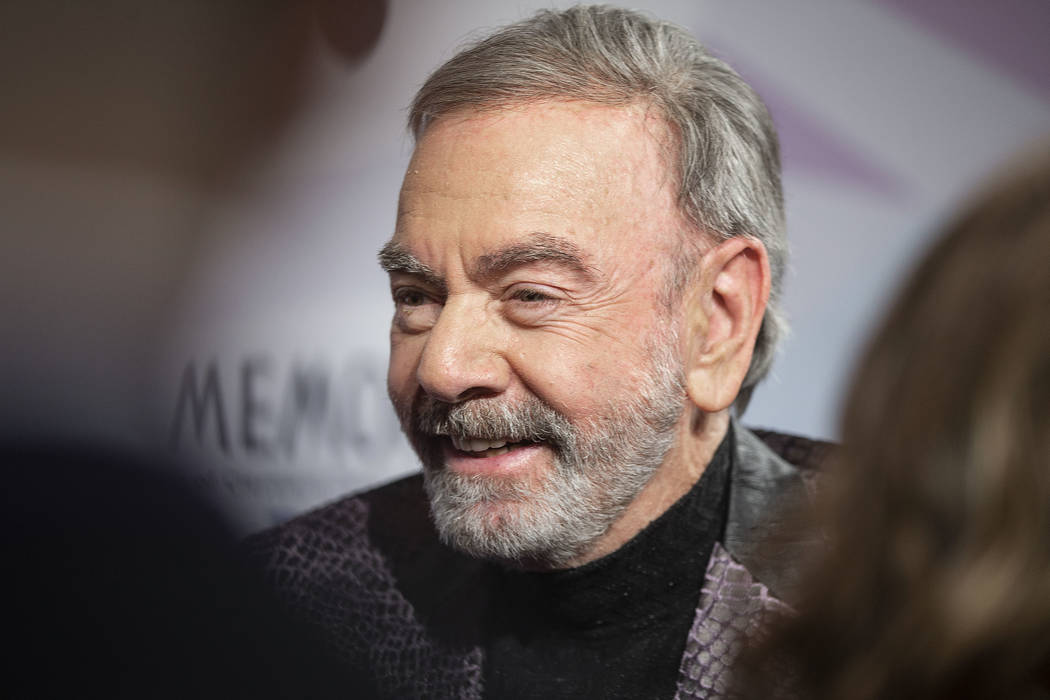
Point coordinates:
[[201, 399]]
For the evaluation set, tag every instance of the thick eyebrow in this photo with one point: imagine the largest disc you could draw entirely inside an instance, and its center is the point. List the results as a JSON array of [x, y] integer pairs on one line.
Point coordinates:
[[540, 248], [394, 258]]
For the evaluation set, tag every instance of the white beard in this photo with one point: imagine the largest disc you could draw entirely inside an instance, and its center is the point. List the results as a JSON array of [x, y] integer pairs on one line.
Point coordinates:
[[599, 468]]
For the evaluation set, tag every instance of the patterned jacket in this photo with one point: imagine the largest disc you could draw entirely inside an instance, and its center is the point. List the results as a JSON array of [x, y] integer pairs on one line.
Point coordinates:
[[391, 601]]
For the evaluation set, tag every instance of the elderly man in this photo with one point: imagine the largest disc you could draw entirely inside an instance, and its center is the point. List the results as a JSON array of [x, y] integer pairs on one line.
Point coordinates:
[[585, 269]]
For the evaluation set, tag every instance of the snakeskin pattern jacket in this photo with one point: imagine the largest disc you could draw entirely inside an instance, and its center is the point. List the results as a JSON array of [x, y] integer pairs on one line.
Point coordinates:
[[369, 572]]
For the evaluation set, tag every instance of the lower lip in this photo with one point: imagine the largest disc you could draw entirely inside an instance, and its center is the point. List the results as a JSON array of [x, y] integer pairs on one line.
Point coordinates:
[[514, 462]]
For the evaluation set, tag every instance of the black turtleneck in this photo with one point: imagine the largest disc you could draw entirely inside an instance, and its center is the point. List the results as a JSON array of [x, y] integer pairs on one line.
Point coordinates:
[[616, 627]]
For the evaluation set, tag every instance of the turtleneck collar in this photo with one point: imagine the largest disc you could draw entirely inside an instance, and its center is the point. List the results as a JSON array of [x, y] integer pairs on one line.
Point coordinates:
[[654, 577]]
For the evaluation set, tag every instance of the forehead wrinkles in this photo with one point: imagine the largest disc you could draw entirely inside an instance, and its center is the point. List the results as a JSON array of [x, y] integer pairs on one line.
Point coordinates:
[[546, 156]]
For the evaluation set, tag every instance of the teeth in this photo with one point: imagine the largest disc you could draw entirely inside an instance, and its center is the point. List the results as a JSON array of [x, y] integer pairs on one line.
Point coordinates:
[[476, 445]]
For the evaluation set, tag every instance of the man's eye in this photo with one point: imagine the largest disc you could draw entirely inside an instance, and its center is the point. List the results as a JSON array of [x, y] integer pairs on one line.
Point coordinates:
[[410, 297], [415, 310], [531, 306], [531, 296]]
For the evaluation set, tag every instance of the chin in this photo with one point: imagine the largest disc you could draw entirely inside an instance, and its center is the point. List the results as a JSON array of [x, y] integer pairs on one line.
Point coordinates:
[[510, 520]]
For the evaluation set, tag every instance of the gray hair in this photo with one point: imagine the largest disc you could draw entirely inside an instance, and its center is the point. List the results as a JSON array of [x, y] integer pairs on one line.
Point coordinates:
[[728, 161]]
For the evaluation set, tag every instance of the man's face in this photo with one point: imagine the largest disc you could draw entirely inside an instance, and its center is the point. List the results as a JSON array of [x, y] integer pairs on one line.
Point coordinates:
[[534, 363]]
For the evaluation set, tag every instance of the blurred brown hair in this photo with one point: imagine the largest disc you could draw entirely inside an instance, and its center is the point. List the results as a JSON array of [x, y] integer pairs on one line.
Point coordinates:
[[937, 579]]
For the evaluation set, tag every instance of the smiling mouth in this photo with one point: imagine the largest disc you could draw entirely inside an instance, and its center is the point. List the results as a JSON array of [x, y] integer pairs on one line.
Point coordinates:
[[478, 447]]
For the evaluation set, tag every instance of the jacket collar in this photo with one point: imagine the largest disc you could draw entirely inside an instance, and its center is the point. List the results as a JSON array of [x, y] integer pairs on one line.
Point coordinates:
[[765, 494]]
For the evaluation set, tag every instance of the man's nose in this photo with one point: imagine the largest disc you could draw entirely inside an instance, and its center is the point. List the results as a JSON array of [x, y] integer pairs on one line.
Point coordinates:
[[462, 358]]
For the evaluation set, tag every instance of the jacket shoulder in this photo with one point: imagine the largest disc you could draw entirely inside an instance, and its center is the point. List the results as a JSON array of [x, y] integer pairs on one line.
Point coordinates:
[[335, 539], [808, 455], [369, 573]]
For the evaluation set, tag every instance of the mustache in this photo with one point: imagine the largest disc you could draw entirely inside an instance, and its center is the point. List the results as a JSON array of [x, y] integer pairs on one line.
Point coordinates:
[[525, 420]]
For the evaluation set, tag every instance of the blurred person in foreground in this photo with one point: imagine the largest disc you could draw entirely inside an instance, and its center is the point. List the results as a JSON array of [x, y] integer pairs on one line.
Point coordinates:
[[937, 581], [122, 123], [585, 272]]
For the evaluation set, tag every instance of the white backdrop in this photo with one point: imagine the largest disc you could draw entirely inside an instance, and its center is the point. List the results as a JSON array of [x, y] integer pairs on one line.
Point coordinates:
[[889, 114]]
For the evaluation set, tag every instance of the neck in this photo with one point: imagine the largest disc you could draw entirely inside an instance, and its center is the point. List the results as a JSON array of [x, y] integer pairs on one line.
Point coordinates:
[[698, 436]]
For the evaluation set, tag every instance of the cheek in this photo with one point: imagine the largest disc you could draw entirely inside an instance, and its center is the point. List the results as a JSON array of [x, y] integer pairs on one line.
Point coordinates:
[[401, 371], [576, 380]]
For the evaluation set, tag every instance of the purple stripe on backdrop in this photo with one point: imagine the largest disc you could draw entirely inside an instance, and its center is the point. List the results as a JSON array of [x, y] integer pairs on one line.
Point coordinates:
[[1012, 35], [808, 146]]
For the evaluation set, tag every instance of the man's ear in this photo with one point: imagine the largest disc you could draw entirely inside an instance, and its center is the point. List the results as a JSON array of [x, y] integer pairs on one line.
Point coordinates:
[[723, 313]]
